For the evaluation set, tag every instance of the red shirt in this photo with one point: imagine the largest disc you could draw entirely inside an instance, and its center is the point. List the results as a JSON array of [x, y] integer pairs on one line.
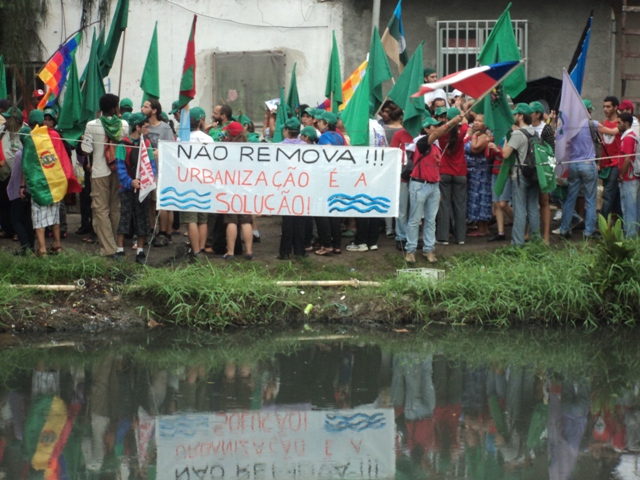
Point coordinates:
[[496, 158], [611, 146], [454, 163], [629, 145], [400, 140], [426, 167]]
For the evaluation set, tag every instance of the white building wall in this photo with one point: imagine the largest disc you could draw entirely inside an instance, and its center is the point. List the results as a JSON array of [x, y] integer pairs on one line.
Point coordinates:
[[300, 28]]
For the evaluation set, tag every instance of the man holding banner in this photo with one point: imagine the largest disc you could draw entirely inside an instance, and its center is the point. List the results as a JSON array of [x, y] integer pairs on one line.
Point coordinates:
[[132, 153]]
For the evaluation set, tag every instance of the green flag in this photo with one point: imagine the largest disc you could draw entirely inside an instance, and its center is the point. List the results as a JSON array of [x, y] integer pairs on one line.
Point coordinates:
[[333, 90], [3, 80], [93, 88], [293, 100], [281, 118], [497, 113], [150, 81], [355, 116], [378, 69], [408, 83], [99, 49], [70, 122], [501, 46], [118, 25]]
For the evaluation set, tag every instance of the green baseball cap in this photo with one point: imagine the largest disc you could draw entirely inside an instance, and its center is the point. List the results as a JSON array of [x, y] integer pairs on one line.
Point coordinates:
[[197, 113], [330, 117], [429, 122], [522, 108], [242, 119], [309, 111], [126, 103], [292, 124], [175, 107], [317, 113], [452, 113], [136, 119], [537, 107], [428, 71], [51, 112], [310, 132], [12, 112], [440, 111], [36, 116], [125, 116], [588, 104]]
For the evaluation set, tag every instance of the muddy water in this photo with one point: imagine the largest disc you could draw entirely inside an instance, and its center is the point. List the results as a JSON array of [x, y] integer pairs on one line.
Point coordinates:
[[449, 405]]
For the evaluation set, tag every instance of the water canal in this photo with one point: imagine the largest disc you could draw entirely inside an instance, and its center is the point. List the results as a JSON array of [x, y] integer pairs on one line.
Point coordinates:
[[168, 405]]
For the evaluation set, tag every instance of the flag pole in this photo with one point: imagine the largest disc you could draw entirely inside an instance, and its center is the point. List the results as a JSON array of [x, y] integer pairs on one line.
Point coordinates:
[[124, 41]]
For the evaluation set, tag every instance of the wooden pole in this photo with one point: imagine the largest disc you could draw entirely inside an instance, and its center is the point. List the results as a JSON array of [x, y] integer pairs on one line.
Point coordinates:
[[58, 288], [328, 283], [124, 41]]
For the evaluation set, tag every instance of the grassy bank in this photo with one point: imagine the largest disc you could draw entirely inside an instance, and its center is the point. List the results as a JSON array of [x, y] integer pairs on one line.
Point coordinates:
[[586, 284]]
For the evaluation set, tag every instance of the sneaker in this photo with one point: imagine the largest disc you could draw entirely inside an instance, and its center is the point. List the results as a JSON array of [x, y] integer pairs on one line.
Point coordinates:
[[256, 239], [497, 238], [357, 247], [444, 242], [460, 243], [400, 244], [141, 258], [390, 234], [556, 231], [430, 256], [410, 257], [119, 256], [373, 248], [558, 216]]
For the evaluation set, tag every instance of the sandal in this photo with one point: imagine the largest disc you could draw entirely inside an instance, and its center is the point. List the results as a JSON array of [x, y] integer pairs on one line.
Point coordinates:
[[55, 250], [323, 251], [208, 250], [90, 240]]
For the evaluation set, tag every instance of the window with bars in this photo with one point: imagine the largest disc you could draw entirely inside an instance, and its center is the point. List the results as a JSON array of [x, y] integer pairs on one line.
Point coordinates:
[[460, 42]]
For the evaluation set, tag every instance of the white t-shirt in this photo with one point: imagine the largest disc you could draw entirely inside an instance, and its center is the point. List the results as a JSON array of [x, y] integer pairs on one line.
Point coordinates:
[[635, 127], [377, 137], [200, 137], [94, 132]]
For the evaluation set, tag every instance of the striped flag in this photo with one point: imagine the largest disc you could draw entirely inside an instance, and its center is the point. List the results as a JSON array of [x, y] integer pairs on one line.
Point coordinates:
[[188, 80], [54, 73], [579, 60], [475, 82], [351, 84], [145, 171], [47, 168], [393, 39]]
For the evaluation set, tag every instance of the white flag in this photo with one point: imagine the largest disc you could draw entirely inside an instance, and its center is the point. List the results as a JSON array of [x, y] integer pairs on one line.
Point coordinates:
[[145, 171], [572, 116]]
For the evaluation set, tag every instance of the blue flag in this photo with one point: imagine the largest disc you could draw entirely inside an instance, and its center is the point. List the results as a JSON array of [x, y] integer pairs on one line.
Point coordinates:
[[579, 60]]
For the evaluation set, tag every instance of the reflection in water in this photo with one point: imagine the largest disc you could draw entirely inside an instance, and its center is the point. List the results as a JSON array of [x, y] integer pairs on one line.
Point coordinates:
[[323, 409]]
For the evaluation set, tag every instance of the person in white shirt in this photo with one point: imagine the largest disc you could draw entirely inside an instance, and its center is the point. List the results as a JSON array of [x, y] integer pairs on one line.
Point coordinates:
[[105, 186]]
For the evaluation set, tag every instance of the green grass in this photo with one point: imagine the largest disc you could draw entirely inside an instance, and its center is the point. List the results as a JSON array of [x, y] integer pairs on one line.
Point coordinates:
[[577, 284]]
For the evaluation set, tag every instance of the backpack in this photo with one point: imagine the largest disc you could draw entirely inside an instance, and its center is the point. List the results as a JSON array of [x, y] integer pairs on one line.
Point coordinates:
[[539, 164], [528, 166], [110, 153]]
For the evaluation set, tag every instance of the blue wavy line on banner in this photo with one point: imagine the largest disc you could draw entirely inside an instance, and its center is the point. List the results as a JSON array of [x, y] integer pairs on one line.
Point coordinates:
[[361, 210], [357, 197], [185, 200], [357, 422], [357, 202], [183, 427], [183, 207], [182, 194]]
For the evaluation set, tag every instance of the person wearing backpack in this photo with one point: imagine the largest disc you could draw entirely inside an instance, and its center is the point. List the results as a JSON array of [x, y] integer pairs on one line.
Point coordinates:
[[583, 174], [629, 181], [101, 137], [525, 191]]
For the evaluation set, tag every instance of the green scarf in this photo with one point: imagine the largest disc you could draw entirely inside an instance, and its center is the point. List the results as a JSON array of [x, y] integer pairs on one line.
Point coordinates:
[[112, 127]]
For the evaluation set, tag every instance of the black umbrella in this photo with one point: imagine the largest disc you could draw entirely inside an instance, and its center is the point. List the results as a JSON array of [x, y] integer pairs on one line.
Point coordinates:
[[545, 88]]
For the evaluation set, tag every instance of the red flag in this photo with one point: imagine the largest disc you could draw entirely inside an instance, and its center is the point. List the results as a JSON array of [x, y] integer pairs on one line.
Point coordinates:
[[188, 81]]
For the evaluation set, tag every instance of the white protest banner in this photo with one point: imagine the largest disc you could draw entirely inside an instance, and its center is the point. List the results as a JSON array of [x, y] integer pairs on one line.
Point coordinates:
[[283, 445], [279, 179]]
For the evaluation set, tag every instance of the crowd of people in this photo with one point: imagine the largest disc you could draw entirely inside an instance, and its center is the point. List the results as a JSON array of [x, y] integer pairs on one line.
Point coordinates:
[[449, 184]]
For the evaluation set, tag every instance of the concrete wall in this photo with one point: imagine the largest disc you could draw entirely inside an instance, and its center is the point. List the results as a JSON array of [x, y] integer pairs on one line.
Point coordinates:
[[554, 27], [300, 28]]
